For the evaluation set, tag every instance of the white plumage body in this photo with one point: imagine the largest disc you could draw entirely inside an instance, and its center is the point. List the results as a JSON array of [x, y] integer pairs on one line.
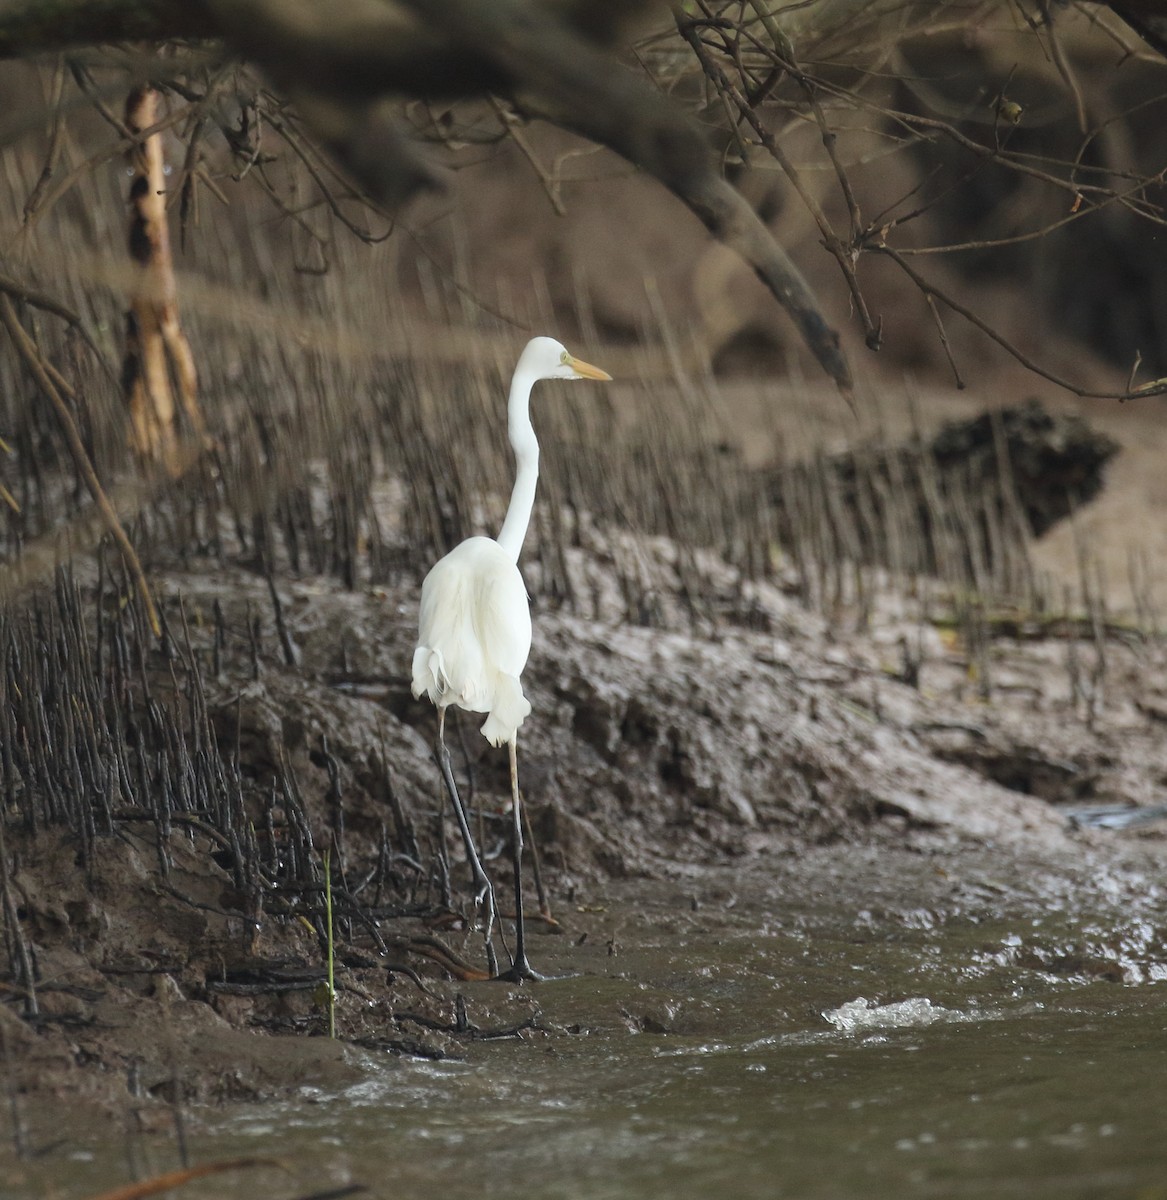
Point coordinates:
[[474, 628], [474, 636]]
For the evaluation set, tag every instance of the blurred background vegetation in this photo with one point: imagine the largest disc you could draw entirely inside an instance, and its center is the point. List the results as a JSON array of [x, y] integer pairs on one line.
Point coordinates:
[[972, 192]]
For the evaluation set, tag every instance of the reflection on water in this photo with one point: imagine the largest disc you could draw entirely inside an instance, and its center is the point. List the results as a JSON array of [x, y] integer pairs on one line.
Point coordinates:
[[823, 1054]]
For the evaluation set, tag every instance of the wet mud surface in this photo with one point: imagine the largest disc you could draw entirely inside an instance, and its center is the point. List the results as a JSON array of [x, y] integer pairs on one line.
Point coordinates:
[[690, 767]]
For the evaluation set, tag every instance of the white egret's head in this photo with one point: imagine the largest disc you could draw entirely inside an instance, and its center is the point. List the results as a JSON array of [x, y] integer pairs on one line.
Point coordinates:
[[545, 358]]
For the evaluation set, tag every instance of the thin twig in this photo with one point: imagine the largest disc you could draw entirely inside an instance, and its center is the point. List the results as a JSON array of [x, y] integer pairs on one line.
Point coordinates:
[[27, 349], [931, 302], [1159, 387], [843, 255], [509, 120], [297, 147], [42, 300], [103, 156], [56, 134], [1063, 67]]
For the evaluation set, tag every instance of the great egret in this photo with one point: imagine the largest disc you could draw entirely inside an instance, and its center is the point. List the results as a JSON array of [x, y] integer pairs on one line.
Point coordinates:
[[475, 625]]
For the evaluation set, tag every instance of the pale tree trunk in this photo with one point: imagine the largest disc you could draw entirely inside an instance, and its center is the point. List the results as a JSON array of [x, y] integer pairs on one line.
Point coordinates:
[[158, 356]]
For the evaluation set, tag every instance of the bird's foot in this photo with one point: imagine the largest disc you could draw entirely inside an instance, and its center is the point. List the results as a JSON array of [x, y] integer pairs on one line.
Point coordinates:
[[521, 971]]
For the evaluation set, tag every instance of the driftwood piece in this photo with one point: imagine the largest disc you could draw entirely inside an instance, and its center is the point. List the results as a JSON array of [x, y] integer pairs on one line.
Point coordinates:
[[155, 343]]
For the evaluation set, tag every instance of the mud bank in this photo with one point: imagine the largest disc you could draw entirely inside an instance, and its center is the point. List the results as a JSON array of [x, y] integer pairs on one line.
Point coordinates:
[[166, 949]]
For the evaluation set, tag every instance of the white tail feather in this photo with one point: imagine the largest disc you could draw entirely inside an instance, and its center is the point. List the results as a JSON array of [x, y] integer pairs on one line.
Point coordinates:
[[428, 674], [508, 711]]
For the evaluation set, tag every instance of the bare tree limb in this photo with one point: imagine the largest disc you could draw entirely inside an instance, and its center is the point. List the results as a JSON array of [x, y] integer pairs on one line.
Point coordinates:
[[929, 290], [551, 75], [340, 62], [35, 26], [845, 256]]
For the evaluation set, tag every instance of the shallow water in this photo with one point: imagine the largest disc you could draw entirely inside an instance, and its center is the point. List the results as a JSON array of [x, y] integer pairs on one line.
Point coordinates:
[[806, 1049]]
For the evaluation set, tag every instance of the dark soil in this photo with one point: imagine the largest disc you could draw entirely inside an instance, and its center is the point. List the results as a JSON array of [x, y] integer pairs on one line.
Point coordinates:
[[169, 922]]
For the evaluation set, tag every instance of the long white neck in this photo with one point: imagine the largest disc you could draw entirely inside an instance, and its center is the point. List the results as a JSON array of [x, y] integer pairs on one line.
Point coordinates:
[[526, 448]]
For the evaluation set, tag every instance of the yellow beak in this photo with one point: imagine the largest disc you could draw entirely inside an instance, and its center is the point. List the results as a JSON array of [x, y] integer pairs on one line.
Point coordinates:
[[586, 370]]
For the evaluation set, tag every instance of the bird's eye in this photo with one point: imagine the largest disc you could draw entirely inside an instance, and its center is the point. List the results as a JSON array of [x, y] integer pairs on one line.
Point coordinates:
[[563, 357]]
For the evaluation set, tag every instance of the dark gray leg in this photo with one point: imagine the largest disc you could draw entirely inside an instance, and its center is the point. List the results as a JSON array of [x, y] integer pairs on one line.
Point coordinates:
[[484, 892]]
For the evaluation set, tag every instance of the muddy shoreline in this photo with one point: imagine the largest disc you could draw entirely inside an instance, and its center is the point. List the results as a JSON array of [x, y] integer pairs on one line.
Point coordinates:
[[708, 762]]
